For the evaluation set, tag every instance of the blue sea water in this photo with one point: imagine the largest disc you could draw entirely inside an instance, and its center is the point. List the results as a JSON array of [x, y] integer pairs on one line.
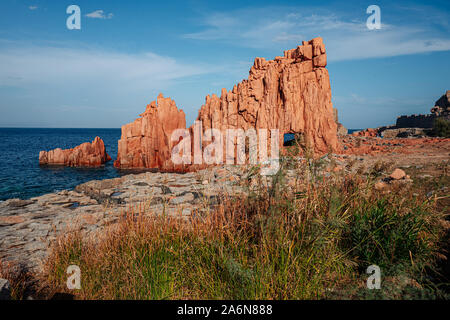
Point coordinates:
[[20, 173]]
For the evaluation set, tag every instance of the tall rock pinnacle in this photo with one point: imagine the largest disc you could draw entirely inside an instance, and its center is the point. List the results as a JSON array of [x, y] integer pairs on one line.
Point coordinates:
[[290, 93]]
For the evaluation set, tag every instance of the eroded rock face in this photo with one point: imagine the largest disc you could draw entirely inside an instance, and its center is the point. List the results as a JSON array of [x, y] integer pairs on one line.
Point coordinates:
[[442, 106], [370, 132], [290, 93], [145, 143], [341, 130], [85, 155]]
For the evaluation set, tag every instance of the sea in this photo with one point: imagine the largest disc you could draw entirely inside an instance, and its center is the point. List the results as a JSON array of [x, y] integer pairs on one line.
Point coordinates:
[[20, 173], [22, 177]]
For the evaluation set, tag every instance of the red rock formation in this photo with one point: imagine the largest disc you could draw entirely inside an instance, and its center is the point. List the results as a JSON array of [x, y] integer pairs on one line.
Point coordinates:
[[442, 106], [398, 174], [370, 132], [145, 143], [85, 155], [341, 130], [290, 93]]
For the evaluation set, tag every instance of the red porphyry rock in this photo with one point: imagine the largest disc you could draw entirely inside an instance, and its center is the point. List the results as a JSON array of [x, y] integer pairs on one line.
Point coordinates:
[[85, 155], [376, 145], [145, 143], [290, 93], [398, 174], [370, 132]]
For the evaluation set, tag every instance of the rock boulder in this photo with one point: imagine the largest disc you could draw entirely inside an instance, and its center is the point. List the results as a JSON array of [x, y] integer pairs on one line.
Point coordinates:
[[85, 155], [145, 143]]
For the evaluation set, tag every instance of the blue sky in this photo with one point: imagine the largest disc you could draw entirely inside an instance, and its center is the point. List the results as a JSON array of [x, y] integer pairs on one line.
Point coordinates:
[[124, 55]]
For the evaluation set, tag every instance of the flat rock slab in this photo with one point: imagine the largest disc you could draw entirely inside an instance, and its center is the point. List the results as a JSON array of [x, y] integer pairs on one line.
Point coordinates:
[[28, 227]]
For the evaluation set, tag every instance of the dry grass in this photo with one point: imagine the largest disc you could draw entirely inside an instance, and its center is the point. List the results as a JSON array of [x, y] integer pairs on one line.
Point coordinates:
[[21, 281], [310, 240]]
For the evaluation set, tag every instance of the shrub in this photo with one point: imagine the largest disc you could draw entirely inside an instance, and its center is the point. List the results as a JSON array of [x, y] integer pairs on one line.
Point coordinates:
[[441, 128]]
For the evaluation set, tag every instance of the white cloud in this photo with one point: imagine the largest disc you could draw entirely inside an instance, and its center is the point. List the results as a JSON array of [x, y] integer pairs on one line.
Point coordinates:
[[67, 87], [99, 14], [54, 67], [280, 28], [33, 7]]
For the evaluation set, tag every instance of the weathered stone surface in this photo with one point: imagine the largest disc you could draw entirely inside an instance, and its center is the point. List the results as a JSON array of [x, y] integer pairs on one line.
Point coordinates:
[[5, 290], [404, 133], [27, 231], [85, 155], [290, 93], [361, 145], [341, 130], [17, 203], [370, 132], [145, 143], [398, 174]]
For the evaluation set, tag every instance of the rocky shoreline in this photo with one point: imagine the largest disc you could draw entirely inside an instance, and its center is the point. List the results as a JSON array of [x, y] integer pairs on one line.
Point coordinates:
[[28, 227]]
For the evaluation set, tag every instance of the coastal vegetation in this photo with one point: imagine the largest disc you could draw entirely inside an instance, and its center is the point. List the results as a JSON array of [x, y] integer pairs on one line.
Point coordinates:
[[309, 238], [441, 127]]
